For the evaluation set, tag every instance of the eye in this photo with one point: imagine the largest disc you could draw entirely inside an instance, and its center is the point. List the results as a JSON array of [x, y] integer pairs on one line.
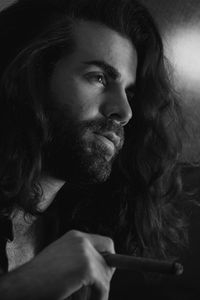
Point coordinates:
[[101, 79], [98, 78]]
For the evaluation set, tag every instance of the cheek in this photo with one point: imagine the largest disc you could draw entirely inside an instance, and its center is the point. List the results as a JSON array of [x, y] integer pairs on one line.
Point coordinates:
[[74, 95], [81, 100]]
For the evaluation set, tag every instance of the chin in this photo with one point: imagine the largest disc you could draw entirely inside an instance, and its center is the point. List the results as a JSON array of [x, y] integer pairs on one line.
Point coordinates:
[[99, 177], [93, 174], [82, 166]]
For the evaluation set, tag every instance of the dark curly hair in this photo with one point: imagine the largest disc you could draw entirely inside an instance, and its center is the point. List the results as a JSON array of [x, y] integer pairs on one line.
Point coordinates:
[[143, 193]]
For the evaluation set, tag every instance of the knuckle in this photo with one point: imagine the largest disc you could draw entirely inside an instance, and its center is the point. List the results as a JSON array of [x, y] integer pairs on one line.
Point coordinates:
[[109, 243], [85, 253], [74, 233], [84, 244], [81, 241], [80, 238], [84, 247]]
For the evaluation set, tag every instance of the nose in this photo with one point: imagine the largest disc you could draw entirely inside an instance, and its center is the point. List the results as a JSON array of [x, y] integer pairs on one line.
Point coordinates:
[[117, 107]]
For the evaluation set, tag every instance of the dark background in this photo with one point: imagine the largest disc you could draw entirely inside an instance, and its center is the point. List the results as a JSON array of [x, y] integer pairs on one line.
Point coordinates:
[[179, 24]]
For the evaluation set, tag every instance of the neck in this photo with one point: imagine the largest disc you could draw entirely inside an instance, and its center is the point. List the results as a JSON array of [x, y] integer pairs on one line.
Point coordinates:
[[50, 187]]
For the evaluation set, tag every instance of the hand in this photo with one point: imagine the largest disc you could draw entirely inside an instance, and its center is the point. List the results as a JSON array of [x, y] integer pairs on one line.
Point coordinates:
[[73, 262]]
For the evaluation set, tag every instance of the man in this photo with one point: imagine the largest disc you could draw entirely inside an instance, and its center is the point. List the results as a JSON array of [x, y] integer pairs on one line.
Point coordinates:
[[87, 158]]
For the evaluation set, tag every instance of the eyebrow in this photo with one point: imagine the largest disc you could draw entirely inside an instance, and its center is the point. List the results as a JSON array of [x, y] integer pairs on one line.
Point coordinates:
[[110, 70]]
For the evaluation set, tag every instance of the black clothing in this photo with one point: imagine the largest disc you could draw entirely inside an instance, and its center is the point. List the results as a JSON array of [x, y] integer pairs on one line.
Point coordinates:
[[57, 220], [60, 217]]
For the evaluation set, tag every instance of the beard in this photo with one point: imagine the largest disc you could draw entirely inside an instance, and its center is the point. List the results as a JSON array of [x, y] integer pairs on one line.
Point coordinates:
[[76, 152]]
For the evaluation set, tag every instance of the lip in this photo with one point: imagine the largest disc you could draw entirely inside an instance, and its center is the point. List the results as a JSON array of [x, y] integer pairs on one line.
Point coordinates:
[[112, 137]]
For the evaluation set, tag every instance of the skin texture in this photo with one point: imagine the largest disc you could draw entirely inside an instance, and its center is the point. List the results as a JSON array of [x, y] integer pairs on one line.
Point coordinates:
[[74, 84], [91, 105], [67, 265], [82, 93]]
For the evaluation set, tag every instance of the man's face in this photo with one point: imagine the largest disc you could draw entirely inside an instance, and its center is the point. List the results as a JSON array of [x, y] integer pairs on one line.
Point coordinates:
[[90, 104]]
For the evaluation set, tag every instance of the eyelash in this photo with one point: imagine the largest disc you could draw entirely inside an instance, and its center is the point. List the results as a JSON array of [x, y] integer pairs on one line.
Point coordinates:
[[95, 77]]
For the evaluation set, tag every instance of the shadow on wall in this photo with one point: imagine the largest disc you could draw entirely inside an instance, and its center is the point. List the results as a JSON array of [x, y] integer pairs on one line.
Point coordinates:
[[179, 23]]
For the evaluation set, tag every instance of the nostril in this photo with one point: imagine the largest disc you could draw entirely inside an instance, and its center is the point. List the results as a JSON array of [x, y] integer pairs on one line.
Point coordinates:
[[117, 107], [121, 118]]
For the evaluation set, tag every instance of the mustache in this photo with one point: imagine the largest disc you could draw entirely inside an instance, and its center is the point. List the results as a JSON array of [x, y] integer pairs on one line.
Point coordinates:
[[101, 126]]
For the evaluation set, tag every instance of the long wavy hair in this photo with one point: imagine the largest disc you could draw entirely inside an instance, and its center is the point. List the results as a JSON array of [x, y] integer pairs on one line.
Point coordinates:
[[143, 194]]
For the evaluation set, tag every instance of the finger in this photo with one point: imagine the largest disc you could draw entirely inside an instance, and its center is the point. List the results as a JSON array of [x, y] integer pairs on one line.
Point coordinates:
[[100, 243]]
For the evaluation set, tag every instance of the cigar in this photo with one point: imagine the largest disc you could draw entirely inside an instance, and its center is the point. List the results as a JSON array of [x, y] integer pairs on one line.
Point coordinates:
[[142, 264]]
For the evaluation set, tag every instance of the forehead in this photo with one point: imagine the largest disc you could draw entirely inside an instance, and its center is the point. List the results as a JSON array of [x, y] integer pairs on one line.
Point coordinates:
[[98, 42]]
